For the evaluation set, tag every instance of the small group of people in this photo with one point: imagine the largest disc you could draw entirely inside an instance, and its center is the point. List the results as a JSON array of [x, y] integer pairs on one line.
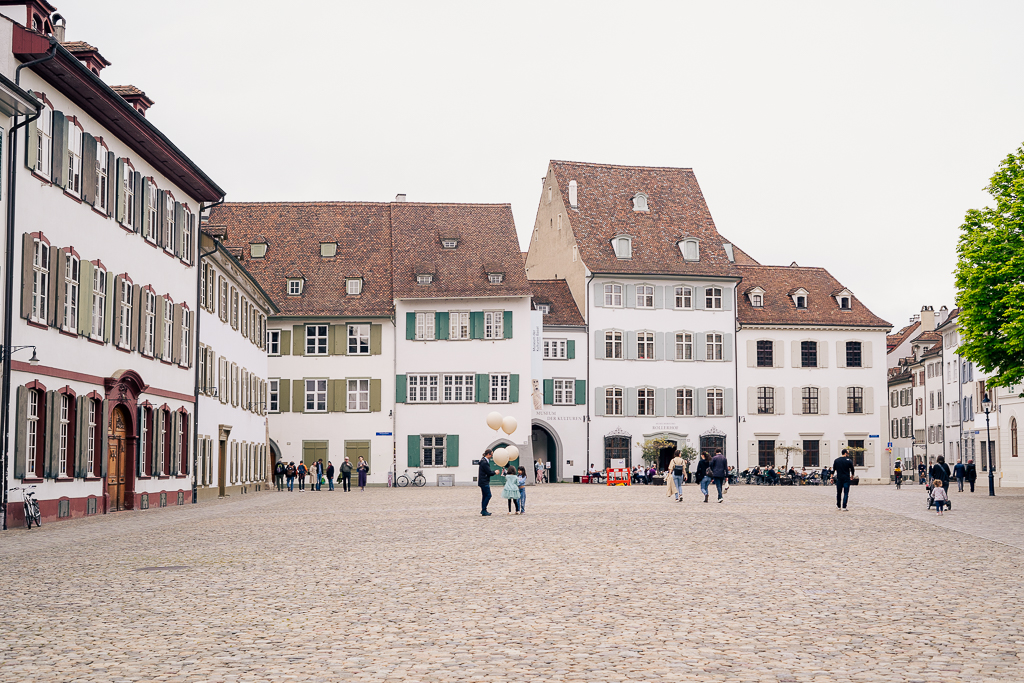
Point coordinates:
[[318, 474], [709, 469], [514, 490]]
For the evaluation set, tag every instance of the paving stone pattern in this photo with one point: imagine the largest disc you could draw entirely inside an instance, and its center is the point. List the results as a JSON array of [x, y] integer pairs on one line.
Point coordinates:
[[592, 584]]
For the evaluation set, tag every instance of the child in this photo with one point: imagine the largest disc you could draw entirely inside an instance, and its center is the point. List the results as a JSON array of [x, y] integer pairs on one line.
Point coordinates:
[[521, 482], [511, 490], [939, 496]]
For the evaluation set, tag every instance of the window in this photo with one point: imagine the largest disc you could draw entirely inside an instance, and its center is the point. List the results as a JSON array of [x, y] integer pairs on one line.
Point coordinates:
[[425, 279], [564, 392], [613, 401], [44, 141], [543, 308], [151, 211], [713, 298], [169, 237], [555, 349], [499, 388], [63, 444], [422, 389], [856, 448], [234, 308], [613, 295], [801, 302], [716, 402], [458, 388], [74, 178], [316, 395], [316, 340], [1013, 437], [188, 227], [274, 396], [294, 286], [328, 249], [274, 342], [684, 297], [765, 356], [714, 344], [40, 281], [765, 453], [690, 250], [623, 247], [223, 311], [812, 453], [756, 301], [71, 274], [449, 243], [644, 296], [34, 439], [855, 400], [853, 357], [613, 344], [185, 359], [809, 398], [149, 324], [358, 340], [125, 298], [765, 400], [129, 196], [640, 202], [645, 401], [258, 249], [168, 340], [645, 346], [494, 322], [458, 325], [684, 402], [495, 278], [425, 326], [844, 303], [358, 396], [684, 346], [616, 448], [575, 253], [433, 451], [354, 286], [808, 354], [101, 178]]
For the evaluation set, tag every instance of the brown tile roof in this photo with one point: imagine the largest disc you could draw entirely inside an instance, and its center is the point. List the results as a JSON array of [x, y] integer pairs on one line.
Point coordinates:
[[676, 210], [556, 294], [130, 92], [80, 47], [742, 257], [929, 336], [487, 243], [932, 351], [894, 340], [293, 232], [779, 308]]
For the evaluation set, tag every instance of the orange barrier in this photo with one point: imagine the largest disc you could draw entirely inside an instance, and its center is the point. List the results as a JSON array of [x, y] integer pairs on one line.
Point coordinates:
[[618, 477]]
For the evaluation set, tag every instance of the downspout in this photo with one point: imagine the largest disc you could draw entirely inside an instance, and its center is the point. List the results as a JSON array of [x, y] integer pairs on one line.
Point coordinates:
[[736, 372], [195, 357], [12, 180], [590, 384]]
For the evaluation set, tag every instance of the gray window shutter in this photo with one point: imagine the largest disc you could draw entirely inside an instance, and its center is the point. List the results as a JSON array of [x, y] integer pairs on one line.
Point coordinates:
[[778, 349], [631, 401], [728, 400], [113, 301], [670, 402], [21, 431], [111, 183], [179, 239], [841, 400], [58, 259], [630, 345], [137, 309], [599, 403], [598, 296], [28, 245], [158, 334], [727, 347], [670, 346], [840, 354], [751, 353], [698, 298], [822, 354], [31, 144], [659, 346], [780, 400], [865, 354], [50, 457], [798, 404], [796, 360], [869, 400], [702, 402], [141, 203], [176, 335], [700, 346], [630, 294], [59, 141], [89, 169], [727, 294], [599, 343], [659, 403], [659, 297], [85, 270], [752, 400]]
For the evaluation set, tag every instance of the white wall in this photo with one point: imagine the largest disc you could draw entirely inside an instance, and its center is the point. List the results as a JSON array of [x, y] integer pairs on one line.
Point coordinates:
[[566, 423]]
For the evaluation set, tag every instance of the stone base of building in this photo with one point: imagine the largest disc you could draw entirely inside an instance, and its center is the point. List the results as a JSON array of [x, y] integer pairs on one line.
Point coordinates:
[[213, 492], [60, 509]]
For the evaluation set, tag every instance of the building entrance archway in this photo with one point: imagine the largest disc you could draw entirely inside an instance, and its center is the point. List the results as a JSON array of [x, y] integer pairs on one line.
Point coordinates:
[[119, 476], [546, 449]]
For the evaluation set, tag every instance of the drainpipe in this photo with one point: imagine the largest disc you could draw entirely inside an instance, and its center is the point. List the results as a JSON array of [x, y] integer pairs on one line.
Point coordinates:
[[12, 180], [590, 384], [195, 357], [736, 373]]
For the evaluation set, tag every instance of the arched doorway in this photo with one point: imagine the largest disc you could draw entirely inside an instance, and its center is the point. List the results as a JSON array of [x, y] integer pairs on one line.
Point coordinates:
[[119, 478], [547, 449], [499, 479]]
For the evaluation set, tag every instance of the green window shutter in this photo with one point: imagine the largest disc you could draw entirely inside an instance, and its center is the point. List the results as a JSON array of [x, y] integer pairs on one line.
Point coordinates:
[[59, 147], [476, 325], [414, 450], [21, 430], [410, 326], [441, 325], [581, 392], [58, 260], [452, 454], [298, 340], [374, 395], [298, 396], [332, 335], [375, 336], [570, 349], [400, 388], [31, 145], [158, 342], [27, 273], [85, 298], [482, 388], [332, 385], [284, 395], [549, 391], [507, 324], [341, 395], [286, 342], [49, 457], [113, 298], [513, 388]]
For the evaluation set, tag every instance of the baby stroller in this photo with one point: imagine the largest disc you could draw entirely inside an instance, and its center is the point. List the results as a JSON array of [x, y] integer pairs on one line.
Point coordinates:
[[931, 499]]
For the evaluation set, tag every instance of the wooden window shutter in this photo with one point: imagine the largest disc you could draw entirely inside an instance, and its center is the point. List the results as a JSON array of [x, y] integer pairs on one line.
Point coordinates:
[[400, 388], [298, 340], [599, 401], [136, 327], [298, 396], [158, 341], [549, 392], [751, 353], [822, 354], [780, 400], [375, 396], [28, 246], [285, 345], [410, 325], [513, 388], [441, 325], [32, 144], [176, 350], [570, 349], [161, 216], [798, 403], [21, 431], [58, 259], [284, 393], [752, 400], [89, 151], [59, 149], [778, 348], [180, 227], [476, 325], [841, 400], [141, 204], [85, 270], [49, 441], [113, 305], [581, 392], [452, 451], [112, 185], [483, 386], [507, 324], [414, 450], [332, 335], [840, 354], [375, 339]]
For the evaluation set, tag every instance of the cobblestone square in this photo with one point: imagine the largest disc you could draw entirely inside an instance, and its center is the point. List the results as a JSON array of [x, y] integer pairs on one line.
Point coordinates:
[[592, 584]]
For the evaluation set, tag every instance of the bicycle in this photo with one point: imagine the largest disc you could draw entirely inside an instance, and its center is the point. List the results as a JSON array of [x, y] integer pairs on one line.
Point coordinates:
[[417, 480], [28, 497]]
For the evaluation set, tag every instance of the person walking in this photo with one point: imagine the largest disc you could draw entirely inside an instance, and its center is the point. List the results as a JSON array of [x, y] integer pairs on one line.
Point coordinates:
[[920, 472], [702, 475], [330, 475], [939, 496], [511, 490], [279, 469], [301, 471], [483, 480], [289, 473], [346, 475], [677, 466], [842, 474], [521, 483], [538, 467], [719, 470], [362, 469], [959, 471], [318, 473], [940, 471], [971, 473]]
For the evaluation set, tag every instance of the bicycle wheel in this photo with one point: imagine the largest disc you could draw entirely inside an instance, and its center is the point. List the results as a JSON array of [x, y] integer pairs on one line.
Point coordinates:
[[402, 480], [419, 480]]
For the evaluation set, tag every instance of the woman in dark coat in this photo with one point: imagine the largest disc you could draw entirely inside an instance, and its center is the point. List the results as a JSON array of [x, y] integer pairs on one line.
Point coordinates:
[[972, 473], [362, 468]]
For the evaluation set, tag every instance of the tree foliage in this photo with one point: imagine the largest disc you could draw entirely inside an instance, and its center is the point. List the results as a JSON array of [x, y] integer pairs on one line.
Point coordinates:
[[990, 278]]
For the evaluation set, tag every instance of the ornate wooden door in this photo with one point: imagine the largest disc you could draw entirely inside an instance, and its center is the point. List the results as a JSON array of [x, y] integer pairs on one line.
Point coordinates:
[[117, 465]]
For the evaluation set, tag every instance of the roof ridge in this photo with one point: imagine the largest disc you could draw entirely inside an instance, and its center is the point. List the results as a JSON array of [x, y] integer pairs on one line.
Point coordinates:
[[592, 163], [362, 202]]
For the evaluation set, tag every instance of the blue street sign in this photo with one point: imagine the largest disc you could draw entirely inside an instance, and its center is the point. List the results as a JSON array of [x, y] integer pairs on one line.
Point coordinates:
[[383, 433], [872, 436]]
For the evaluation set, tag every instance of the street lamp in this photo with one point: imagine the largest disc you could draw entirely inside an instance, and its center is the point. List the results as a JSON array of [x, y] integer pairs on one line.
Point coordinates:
[[986, 403]]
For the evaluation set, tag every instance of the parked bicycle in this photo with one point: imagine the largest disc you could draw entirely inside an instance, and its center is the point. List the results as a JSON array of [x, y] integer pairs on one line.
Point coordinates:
[[28, 497], [417, 479]]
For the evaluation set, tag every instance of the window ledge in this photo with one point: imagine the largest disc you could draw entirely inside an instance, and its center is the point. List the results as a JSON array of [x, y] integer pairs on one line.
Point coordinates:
[[127, 228], [92, 479], [72, 196], [41, 178], [97, 341], [41, 326], [122, 349], [31, 480], [100, 212], [143, 476], [73, 335], [63, 479]]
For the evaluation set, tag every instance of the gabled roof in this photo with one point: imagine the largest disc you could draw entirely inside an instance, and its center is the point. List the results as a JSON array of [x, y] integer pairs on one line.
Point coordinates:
[[894, 340], [487, 244], [556, 294], [676, 210], [779, 309]]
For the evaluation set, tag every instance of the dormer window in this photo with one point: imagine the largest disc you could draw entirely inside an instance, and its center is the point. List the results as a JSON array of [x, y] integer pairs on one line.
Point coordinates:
[[844, 298], [294, 286], [258, 249], [424, 279], [756, 300], [573, 195], [799, 297], [449, 243], [328, 249], [640, 202], [690, 250], [844, 303], [801, 302], [623, 247], [543, 308], [354, 286], [495, 278]]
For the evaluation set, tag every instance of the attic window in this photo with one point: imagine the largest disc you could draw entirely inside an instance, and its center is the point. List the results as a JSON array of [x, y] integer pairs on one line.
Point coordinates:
[[424, 279], [258, 249], [328, 249], [294, 286], [354, 286], [801, 301], [623, 247], [495, 278], [690, 250], [640, 202], [844, 303], [449, 243], [756, 300], [543, 308]]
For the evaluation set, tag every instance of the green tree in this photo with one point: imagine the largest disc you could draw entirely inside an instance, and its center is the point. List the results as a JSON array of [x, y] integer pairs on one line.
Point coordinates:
[[990, 278]]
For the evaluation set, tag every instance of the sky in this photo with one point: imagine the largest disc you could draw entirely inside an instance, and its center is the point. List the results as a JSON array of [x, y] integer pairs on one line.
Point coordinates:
[[851, 136]]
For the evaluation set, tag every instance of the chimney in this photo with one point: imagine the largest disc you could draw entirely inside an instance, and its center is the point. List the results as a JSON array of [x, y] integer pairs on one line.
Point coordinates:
[[399, 197], [927, 318], [134, 97], [59, 27], [943, 315]]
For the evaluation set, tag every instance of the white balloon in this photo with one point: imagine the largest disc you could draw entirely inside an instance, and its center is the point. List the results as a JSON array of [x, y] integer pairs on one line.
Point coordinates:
[[512, 452], [500, 457], [494, 420], [509, 424]]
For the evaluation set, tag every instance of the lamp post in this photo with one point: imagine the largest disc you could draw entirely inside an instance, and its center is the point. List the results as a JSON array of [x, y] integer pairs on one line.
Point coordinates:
[[986, 403]]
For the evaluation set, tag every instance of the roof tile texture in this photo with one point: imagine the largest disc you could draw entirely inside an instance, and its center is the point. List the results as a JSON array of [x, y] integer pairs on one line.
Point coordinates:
[[556, 294]]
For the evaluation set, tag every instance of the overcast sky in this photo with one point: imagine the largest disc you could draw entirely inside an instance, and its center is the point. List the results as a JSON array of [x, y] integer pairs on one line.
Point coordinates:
[[851, 136]]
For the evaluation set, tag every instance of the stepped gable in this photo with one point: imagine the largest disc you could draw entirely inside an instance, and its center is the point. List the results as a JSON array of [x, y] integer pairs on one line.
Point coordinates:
[[558, 297], [293, 232], [486, 242], [676, 210], [780, 309]]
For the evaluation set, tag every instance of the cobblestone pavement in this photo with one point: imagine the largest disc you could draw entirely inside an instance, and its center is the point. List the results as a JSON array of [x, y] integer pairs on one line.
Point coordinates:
[[592, 584]]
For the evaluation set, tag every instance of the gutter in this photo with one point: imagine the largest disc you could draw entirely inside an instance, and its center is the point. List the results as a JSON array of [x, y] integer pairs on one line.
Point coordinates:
[[590, 382]]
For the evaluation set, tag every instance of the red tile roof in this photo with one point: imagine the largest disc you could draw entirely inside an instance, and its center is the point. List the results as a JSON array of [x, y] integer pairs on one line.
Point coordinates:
[[676, 210], [556, 294], [779, 308], [894, 340], [741, 257]]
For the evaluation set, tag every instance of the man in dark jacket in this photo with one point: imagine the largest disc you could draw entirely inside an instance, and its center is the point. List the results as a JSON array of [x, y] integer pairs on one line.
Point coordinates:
[[330, 475], [959, 471], [971, 472], [940, 470], [842, 473], [346, 475], [483, 480], [719, 470]]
